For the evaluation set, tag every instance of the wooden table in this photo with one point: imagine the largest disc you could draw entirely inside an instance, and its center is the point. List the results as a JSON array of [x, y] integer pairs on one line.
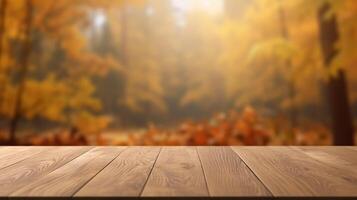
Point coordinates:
[[178, 171]]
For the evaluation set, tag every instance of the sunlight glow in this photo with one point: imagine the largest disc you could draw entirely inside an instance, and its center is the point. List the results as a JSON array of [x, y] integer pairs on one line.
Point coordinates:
[[99, 19], [210, 6], [183, 7]]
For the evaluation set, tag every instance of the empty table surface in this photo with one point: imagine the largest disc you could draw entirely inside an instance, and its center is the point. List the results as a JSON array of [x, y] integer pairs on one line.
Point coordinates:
[[265, 172]]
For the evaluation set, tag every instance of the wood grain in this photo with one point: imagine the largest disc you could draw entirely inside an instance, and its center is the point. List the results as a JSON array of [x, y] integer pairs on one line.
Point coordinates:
[[125, 176], [287, 172], [227, 175], [5, 150], [177, 172], [12, 155], [68, 179], [353, 148], [25, 172], [341, 158]]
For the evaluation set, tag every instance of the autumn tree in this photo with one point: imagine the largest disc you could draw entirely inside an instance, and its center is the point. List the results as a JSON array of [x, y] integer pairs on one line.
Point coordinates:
[[144, 92], [235, 9], [3, 8], [343, 129], [86, 63], [65, 69], [23, 72]]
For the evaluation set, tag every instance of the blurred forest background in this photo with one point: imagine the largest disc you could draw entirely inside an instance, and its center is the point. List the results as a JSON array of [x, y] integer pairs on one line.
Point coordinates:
[[178, 72]]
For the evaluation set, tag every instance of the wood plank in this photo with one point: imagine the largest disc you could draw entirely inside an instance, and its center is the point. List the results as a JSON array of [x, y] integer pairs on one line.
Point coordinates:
[[25, 172], [68, 179], [125, 176], [287, 172], [227, 175], [5, 150], [8, 151], [353, 148], [12, 155], [177, 172], [339, 157]]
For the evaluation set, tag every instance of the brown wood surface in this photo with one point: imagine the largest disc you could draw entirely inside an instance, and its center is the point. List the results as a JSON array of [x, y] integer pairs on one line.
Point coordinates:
[[353, 148], [125, 176], [338, 157], [227, 174], [12, 155], [25, 172], [177, 172], [68, 179], [288, 172]]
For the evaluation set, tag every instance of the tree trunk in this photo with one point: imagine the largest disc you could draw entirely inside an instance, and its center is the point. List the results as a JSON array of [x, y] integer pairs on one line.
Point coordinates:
[[288, 64], [124, 34], [342, 124], [2, 26], [2, 33], [24, 64]]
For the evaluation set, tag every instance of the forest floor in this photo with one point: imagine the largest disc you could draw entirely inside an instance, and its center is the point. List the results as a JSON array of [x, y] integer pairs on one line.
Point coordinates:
[[232, 128]]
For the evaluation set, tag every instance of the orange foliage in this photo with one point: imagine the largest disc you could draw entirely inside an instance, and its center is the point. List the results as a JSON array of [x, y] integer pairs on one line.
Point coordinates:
[[233, 128]]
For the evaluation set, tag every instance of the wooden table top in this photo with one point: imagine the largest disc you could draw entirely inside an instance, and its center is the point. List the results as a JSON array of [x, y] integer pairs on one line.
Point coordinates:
[[178, 171]]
